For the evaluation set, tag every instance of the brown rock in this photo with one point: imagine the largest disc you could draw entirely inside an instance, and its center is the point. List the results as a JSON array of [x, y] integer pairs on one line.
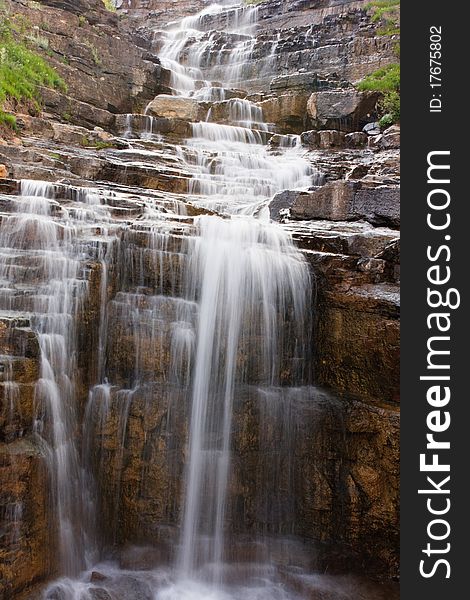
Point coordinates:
[[288, 111], [174, 107], [3, 172]]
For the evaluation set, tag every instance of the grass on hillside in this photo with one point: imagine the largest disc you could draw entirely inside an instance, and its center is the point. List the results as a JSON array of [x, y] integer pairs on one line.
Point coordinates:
[[22, 70], [385, 80], [387, 14]]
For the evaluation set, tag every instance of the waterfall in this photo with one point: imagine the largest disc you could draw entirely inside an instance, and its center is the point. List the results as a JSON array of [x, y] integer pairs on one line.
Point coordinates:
[[193, 316], [244, 273]]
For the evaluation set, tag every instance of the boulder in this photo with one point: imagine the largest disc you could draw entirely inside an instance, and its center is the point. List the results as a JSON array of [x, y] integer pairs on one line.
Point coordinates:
[[323, 140], [357, 139], [3, 171], [391, 138], [174, 107], [281, 204], [374, 142], [371, 128], [345, 110]]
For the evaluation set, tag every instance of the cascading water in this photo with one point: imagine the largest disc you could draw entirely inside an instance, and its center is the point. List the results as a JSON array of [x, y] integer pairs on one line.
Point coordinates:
[[210, 317], [244, 273]]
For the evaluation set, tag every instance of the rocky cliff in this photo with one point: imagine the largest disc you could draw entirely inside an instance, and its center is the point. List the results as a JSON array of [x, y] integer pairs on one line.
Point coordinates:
[[120, 185]]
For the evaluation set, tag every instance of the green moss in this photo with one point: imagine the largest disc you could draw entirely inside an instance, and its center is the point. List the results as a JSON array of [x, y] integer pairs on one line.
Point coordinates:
[[97, 145], [82, 21], [22, 69]]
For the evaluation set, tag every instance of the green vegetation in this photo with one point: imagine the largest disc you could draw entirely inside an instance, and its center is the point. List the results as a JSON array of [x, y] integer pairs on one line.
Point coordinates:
[[97, 145], [387, 14], [22, 69], [8, 120], [252, 2], [94, 52], [82, 21], [386, 81], [109, 5]]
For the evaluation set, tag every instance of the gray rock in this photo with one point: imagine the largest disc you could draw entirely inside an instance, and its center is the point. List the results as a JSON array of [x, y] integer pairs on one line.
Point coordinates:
[[345, 110], [357, 139], [374, 142], [391, 138], [281, 204], [333, 201], [378, 205], [346, 200], [371, 128]]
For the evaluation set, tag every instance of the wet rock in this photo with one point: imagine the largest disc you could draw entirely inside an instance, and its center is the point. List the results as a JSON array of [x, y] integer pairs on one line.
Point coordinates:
[[358, 338], [25, 520], [379, 205], [344, 110], [332, 201], [281, 203], [97, 576], [358, 171], [287, 111], [349, 200], [99, 594], [375, 142], [324, 139], [174, 107], [357, 139], [372, 128], [143, 558], [126, 587], [391, 138]]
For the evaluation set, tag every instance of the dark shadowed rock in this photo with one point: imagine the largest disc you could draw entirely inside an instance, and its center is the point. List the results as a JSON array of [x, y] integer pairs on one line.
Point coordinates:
[[378, 205], [345, 110]]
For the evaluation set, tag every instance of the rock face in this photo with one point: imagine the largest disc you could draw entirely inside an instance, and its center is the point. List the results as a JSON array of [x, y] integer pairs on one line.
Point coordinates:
[[346, 110], [349, 200], [320, 461]]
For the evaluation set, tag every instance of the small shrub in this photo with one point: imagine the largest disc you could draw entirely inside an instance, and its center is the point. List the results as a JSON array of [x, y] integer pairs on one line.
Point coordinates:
[[8, 120], [82, 21], [109, 5], [94, 52], [39, 40]]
